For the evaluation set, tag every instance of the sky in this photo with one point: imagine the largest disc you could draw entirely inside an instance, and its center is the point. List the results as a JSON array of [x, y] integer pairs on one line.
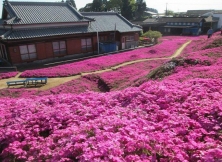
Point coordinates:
[[160, 5]]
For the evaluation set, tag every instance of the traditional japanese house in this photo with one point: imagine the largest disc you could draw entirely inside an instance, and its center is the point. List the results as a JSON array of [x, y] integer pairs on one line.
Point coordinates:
[[44, 31]]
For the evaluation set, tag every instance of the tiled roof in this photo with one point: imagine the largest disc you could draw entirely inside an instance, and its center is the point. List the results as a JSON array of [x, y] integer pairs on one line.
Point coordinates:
[[46, 32], [2, 31], [197, 12], [202, 12], [58, 12], [42, 12], [180, 19], [218, 12], [211, 19], [151, 20], [1, 21], [110, 21]]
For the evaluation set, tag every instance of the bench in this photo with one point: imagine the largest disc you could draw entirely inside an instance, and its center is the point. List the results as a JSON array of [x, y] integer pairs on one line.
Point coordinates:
[[28, 81], [17, 82], [35, 81]]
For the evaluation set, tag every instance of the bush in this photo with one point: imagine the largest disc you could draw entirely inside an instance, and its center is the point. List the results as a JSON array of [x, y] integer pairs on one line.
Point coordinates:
[[153, 34], [214, 44]]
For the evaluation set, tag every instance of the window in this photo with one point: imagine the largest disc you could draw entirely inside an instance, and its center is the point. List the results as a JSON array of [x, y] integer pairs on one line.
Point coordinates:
[[111, 37], [130, 38], [28, 52], [180, 23], [59, 48], [184, 23], [102, 38], [86, 44]]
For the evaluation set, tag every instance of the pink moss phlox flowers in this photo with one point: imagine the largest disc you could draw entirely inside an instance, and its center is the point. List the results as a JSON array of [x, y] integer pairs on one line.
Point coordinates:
[[164, 49], [165, 120], [8, 75]]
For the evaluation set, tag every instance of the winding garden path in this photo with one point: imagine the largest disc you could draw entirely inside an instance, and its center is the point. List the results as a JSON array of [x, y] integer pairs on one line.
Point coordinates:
[[53, 82]]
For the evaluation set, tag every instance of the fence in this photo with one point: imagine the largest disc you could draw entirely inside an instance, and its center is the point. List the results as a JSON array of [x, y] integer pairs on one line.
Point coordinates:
[[8, 69], [131, 44], [107, 47]]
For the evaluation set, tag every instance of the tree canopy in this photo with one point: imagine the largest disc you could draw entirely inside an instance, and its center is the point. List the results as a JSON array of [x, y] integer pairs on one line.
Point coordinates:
[[73, 3], [126, 9], [140, 9], [97, 5], [152, 35], [130, 9]]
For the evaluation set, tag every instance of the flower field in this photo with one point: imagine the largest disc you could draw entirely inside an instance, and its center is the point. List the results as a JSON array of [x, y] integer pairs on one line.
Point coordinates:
[[117, 79], [166, 120], [201, 50], [8, 75], [176, 118], [164, 49], [108, 81]]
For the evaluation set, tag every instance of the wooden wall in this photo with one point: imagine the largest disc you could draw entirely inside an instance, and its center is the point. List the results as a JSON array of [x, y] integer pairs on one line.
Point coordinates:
[[73, 46], [44, 49], [14, 54]]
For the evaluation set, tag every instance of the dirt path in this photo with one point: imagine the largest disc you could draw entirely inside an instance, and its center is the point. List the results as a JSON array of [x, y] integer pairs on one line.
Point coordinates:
[[180, 50], [53, 82]]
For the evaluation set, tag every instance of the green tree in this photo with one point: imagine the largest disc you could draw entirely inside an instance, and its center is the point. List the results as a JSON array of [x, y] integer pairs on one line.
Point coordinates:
[[73, 3], [97, 5], [104, 6], [114, 5], [126, 9], [140, 9], [169, 13], [153, 35], [87, 8]]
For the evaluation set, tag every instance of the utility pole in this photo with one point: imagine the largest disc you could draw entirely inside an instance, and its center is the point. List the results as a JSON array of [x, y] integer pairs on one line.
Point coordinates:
[[166, 9], [97, 35]]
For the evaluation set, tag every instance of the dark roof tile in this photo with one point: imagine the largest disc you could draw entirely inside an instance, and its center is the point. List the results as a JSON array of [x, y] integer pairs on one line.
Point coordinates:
[[110, 21], [180, 19], [45, 32], [42, 12]]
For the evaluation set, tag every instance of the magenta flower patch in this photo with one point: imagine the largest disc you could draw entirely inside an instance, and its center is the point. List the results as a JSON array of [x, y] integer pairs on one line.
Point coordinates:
[[159, 120], [164, 49], [176, 119], [8, 75]]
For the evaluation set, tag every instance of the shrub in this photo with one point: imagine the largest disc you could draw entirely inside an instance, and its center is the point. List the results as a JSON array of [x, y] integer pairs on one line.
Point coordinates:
[[153, 35], [215, 43]]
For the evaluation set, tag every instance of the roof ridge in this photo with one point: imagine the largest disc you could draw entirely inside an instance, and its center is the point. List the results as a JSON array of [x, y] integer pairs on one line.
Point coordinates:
[[34, 2], [79, 13], [51, 27], [11, 8], [95, 13], [24, 9], [127, 21], [74, 10], [10, 20], [6, 34]]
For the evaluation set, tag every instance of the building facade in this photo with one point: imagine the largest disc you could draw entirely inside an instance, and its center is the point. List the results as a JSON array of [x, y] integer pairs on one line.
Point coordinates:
[[37, 31]]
